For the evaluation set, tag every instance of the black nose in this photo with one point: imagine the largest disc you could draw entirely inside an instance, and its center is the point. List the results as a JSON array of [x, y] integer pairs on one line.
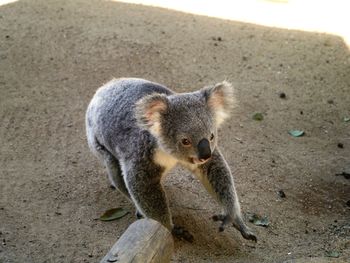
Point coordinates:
[[203, 147]]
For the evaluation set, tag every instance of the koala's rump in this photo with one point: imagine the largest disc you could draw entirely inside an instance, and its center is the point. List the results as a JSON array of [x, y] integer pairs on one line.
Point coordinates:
[[110, 117]]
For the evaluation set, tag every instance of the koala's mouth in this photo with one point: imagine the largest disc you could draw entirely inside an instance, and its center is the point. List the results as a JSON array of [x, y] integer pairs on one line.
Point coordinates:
[[195, 160]]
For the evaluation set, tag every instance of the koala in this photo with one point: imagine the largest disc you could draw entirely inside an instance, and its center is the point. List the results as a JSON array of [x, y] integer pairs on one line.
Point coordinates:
[[140, 130]]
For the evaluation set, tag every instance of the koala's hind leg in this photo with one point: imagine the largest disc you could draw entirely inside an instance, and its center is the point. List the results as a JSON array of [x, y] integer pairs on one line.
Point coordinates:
[[112, 165], [216, 177], [115, 175]]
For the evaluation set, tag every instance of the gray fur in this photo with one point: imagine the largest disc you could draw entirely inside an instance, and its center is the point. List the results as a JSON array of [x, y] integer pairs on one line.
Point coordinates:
[[140, 130]]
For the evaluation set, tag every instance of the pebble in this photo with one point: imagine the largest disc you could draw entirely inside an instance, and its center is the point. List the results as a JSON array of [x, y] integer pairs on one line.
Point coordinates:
[[281, 194], [282, 95], [340, 145]]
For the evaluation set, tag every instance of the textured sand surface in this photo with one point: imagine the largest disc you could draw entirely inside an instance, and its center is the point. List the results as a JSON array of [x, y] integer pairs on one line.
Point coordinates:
[[55, 54]]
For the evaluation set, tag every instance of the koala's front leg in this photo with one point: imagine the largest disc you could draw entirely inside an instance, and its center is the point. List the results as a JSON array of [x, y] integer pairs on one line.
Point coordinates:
[[147, 193], [217, 178]]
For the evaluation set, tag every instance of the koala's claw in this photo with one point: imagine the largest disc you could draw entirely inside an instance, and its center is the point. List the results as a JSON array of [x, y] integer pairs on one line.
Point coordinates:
[[182, 233], [217, 217], [239, 225], [250, 236], [224, 221]]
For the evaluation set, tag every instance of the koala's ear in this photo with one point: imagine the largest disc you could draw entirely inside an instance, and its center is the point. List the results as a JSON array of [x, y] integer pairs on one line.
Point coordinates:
[[149, 110], [220, 99]]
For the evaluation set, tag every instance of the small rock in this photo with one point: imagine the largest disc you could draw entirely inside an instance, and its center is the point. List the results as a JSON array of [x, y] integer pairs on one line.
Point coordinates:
[[281, 194], [219, 39], [330, 101], [340, 145], [7, 36], [348, 203], [282, 95]]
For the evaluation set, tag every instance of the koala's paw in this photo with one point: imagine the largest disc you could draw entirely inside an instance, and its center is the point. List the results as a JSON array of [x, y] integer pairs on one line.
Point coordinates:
[[237, 223], [181, 233], [247, 234], [224, 221]]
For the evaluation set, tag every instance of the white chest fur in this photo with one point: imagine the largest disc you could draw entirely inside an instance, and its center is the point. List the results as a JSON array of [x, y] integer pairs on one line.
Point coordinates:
[[164, 159]]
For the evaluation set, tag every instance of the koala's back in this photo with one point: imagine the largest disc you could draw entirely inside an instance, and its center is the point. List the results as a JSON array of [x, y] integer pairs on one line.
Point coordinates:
[[110, 119]]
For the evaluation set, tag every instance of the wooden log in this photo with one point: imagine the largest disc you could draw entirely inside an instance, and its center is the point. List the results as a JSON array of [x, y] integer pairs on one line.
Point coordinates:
[[145, 241]]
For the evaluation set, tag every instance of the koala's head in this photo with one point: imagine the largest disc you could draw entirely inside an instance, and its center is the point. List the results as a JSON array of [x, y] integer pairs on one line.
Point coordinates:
[[186, 124]]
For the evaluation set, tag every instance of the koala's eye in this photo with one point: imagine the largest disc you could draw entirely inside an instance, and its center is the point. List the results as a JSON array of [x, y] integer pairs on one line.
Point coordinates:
[[212, 136], [186, 142]]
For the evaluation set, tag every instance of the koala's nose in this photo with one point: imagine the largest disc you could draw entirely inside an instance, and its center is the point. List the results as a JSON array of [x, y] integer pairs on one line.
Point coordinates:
[[204, 152]]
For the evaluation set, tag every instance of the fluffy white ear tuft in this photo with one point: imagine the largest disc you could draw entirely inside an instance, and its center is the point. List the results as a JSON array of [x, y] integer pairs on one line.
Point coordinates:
[[221, 100], [149, 110]]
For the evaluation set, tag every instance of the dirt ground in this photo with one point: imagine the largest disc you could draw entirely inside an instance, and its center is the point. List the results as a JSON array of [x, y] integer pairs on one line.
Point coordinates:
[[55, 54]]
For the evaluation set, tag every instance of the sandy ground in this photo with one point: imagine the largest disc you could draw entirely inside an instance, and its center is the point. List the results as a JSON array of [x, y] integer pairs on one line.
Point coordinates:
[[55, 54]]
